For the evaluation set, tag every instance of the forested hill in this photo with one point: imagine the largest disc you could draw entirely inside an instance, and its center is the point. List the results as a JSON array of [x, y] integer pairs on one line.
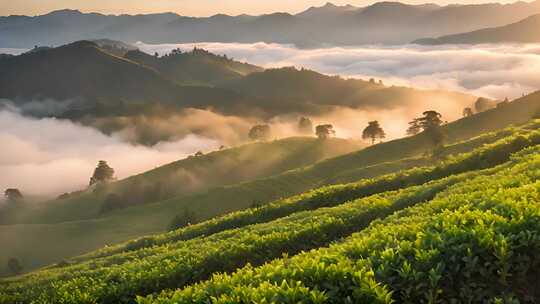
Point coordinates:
[[98, 82], [82, 70], [197, 67]]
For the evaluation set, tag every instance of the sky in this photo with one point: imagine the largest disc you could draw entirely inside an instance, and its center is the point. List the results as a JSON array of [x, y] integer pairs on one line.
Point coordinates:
[[188, 7]]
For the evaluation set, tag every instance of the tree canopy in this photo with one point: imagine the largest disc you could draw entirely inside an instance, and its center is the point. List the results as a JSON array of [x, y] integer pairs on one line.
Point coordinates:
[[373, 131], [102, 173], [467, 112], [13, 195], [325, 131], [260, 132], [430, 123]]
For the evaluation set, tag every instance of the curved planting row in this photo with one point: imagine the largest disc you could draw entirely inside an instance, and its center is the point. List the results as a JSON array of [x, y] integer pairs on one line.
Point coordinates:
[[477, 242], [191, 261], [487, 156]]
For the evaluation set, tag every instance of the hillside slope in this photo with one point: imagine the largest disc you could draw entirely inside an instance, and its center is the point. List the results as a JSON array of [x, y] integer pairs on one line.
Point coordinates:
[[327, 92], [93, 216], [434, 222], [83, 71], [197, 67], [525, 31], [153, 218]]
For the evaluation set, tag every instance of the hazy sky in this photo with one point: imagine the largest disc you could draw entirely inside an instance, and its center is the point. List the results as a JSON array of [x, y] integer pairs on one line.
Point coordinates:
[[187, 7]]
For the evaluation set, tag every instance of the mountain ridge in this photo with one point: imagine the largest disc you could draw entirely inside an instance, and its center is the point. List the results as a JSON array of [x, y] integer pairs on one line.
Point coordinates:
[[524, 31], [350, 25]]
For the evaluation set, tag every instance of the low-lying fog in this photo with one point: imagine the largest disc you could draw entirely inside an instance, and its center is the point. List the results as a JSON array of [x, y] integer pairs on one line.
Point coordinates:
[[49, 156], [12, 51], [495, 71]]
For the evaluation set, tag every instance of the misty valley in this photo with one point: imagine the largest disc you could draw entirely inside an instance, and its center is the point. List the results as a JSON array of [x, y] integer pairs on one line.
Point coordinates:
[[379, 153]]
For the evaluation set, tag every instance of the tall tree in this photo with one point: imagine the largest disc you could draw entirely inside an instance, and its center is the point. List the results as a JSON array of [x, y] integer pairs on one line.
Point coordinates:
[[325, 131], [373, 131], [260, 132], [305, 125], [414, 127], [431, 119], [483, 104], [430, 123], [13, 195], [102, 173]]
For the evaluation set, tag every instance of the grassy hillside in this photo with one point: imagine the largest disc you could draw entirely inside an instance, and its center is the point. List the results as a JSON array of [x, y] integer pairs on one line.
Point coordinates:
[[195, 174], [80, 225], [85, 232], [390, 234]]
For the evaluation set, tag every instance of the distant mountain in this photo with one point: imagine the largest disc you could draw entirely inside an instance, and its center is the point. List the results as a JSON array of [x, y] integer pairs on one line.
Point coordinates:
[[106, 84], [196, 67], [525, 31], [83, 82], [325, 91], [82, 70], [383, 22]]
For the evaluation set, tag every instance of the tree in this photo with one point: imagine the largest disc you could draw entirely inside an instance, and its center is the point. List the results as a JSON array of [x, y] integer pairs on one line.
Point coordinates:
[[430, 123], [430, 119], [414, 127], [483, 104], [373, 131], [468, 112], [325, 131], [260, 132], [305, 126], [102, 173], [14, 266], [13, 195], [185, 219], [199, 154]]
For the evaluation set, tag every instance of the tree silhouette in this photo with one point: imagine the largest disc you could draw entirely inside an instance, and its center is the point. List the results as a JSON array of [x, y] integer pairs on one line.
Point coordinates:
[[467, 112], [430, 119], [430, 124], [102, 173], [260, 132], [13, 195], [373, 131], [483, 104], [305, 126], [325, 131], [414, 127]]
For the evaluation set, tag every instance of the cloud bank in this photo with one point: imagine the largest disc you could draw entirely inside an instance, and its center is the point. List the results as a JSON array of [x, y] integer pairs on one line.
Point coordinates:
[[12, 51], [495, 71], [50, 156]]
